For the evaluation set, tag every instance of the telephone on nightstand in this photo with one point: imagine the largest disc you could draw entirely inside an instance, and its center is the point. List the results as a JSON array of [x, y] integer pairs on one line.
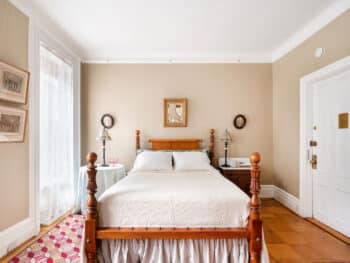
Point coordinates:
[[237, 162]]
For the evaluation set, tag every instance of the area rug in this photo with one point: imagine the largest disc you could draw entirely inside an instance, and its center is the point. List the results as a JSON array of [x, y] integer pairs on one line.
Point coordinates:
[[60, 244]]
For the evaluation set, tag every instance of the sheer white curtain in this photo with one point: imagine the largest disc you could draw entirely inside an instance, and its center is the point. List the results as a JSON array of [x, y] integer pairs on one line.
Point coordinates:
[[56, 136]]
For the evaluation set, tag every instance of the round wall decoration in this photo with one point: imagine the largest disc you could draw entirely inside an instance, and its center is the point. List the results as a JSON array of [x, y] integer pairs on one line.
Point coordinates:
[[107, 121], [239, 121]]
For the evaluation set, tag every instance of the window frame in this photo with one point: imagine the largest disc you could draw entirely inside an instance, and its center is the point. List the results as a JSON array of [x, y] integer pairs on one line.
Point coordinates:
[[38, 37]]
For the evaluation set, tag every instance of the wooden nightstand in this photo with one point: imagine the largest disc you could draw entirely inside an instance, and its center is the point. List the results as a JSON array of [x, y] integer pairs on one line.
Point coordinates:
[[238, 176]]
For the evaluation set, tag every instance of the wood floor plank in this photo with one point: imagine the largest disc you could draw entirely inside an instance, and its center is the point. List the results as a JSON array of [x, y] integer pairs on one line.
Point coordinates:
[[330, 230]]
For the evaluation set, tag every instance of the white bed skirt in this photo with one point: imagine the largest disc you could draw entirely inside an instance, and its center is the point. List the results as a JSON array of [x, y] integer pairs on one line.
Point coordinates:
[[174, 251], [178, 251]]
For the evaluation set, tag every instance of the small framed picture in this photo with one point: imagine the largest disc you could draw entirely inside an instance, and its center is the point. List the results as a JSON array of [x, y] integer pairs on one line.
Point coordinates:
[[13, 83], [12, 124], [175, 112]]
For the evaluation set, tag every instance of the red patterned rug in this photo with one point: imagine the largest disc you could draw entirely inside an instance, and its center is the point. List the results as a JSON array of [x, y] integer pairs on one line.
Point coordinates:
[[61, 244]]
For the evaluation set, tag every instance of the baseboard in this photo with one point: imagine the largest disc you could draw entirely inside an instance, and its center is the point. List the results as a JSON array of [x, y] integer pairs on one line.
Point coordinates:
[[285, 198], [17, 234]]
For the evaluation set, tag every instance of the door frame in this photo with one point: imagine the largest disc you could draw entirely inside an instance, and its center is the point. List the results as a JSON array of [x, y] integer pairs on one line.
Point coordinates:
[[306, 121]]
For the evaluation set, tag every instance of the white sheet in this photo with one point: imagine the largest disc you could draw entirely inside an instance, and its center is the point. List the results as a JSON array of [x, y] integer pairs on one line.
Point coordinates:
[[174, 199]]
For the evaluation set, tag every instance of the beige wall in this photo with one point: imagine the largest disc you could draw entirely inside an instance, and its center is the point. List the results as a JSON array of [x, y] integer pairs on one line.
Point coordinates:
[[215, 92], [335, 38], [13, 156]]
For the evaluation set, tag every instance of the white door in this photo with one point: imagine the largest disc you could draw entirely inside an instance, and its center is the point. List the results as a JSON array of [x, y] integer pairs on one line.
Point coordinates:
[[331, 177]]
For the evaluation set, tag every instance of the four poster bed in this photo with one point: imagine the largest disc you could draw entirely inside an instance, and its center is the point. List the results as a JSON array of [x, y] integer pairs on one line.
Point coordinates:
[[214, 212]]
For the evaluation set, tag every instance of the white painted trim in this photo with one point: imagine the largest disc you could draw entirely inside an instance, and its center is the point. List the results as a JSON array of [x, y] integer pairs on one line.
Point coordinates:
[[33, 114], [286, 199], [15, 235], [76, 119], [311, 28], [224, 59], [306, 120]]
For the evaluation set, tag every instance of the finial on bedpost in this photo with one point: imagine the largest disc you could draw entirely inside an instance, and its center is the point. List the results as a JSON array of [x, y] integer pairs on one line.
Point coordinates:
[[91, 210], [137, 139], [212, 146], [254, 222]]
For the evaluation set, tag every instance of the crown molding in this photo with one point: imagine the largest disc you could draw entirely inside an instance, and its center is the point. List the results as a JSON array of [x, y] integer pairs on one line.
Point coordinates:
[[327, 16], [228, 59]]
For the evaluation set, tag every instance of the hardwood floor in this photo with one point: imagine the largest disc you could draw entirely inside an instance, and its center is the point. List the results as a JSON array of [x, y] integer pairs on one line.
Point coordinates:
[[292, 239], [289, 238], [333, 232]]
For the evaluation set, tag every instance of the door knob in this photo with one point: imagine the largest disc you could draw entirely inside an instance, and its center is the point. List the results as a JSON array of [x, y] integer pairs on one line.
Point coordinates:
[[313, 161]]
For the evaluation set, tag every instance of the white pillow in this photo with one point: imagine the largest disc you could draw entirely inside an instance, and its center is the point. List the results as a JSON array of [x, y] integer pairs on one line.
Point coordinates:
[[191, 161], [153, 161]]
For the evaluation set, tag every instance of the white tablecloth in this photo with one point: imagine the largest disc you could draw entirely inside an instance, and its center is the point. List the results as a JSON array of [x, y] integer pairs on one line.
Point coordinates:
[[105, 178]]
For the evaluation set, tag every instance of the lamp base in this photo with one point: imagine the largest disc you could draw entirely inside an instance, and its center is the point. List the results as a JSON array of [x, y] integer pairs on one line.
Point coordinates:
[[104, 165], [225, 165]]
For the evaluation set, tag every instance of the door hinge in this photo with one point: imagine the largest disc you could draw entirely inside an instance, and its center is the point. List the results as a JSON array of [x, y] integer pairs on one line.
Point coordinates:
[[313, 161]]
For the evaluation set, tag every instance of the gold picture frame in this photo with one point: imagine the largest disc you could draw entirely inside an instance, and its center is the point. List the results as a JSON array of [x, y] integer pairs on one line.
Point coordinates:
[[12, 124], [13, 83], [175, 112]]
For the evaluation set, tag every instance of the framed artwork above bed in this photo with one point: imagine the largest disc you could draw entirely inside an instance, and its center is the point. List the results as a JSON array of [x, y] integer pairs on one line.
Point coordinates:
[[13, 83], [175, 112]]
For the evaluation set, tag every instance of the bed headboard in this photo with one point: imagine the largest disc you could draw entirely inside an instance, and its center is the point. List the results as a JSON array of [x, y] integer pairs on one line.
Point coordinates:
[[180, 144]]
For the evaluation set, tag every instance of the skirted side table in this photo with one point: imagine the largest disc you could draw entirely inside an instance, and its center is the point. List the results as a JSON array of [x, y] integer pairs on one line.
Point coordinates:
[[105, 178]]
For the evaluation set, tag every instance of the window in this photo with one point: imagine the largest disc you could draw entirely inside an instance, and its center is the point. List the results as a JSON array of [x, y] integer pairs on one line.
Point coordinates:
[[56, 135]]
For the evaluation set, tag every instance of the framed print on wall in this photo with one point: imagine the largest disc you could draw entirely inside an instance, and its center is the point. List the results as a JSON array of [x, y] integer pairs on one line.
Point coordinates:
[[12, 124], [13, 83], [175, 112]]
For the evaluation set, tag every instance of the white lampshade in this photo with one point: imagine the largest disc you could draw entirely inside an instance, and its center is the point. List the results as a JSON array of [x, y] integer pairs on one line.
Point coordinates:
[[226, 136], [104, 135]]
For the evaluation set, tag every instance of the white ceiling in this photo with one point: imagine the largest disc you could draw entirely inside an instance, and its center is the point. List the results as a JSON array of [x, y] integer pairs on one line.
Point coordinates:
[[184, 30]]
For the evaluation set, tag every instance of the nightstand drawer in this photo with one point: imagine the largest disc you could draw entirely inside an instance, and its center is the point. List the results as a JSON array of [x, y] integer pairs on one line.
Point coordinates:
[[241, 178]]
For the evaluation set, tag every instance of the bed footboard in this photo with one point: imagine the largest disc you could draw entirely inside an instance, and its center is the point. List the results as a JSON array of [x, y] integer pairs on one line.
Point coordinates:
[[253, 232]]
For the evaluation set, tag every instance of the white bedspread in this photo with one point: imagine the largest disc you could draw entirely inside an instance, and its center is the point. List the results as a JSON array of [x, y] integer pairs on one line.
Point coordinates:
[[174, 199]]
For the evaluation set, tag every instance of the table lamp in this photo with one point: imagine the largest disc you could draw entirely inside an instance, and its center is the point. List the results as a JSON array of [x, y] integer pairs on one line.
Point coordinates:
[[227, 139], [103, 137]]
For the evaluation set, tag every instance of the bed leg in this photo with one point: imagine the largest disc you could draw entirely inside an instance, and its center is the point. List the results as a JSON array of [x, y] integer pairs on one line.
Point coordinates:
[[91, 211], [254, 222]]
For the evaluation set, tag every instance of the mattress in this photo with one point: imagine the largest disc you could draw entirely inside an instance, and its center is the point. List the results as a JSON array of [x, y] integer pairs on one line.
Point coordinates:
[[174, 199]]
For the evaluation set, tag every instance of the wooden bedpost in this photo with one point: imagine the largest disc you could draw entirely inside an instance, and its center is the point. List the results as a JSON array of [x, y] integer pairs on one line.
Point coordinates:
[[137, 139], [254, 222], [212, 147], [91, 211]]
